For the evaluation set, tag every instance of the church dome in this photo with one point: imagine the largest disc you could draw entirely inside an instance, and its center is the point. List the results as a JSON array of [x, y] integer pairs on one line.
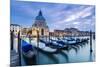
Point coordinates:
[[40, 21], [40, 17]]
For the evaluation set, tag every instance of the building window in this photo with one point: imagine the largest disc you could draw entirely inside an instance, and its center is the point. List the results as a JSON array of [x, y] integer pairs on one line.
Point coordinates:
[[42, 31]]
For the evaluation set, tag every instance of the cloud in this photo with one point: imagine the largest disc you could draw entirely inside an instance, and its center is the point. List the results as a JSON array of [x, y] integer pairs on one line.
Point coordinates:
[[84, 17], [79, 14], [57, 16]]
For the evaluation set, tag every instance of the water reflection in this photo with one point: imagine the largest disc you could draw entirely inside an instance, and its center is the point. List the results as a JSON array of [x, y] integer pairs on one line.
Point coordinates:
[[48, 55], [64, 55], [73, 53]]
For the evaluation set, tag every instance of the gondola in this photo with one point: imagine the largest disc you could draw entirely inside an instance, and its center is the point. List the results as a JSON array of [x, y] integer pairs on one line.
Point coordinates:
[[28, 50], [46, 48]]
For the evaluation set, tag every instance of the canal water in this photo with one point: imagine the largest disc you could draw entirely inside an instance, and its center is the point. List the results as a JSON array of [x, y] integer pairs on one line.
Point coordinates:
[[81, 54]]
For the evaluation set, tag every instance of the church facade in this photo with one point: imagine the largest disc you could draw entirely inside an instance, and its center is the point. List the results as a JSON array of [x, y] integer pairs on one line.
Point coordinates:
[[40, 26]]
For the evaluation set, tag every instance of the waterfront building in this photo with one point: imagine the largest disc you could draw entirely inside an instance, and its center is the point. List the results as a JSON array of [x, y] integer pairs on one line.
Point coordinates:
[[15, 28], [71, 32], [61, 33], [24, 31]]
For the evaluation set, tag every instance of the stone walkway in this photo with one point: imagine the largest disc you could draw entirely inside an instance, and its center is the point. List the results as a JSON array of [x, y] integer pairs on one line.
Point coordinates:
[[13, 58]]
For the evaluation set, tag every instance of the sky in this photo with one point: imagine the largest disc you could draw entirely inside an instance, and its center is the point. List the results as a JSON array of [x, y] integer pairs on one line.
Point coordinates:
[[57, 15]]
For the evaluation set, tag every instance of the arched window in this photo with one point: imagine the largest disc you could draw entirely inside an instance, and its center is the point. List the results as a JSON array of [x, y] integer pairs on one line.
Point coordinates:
[[42, 31]]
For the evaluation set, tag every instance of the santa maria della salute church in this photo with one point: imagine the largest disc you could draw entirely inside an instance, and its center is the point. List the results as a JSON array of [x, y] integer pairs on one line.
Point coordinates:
[[40, 25]]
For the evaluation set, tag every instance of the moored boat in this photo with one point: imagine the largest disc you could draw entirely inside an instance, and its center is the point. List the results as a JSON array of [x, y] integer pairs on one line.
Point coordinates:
[[28, 50]]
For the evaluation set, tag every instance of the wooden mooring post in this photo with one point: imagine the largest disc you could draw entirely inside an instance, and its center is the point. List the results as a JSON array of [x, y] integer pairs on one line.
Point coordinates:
[[37, 61], [91, 50], [11, 40], [19, 48]]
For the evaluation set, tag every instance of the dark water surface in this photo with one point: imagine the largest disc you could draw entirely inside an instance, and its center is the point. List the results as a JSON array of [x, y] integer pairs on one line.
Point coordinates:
[[78, 54]]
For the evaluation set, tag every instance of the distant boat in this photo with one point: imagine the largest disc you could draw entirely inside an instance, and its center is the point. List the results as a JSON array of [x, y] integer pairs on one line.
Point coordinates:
[[65, 43], [54, 44], [69, 39]]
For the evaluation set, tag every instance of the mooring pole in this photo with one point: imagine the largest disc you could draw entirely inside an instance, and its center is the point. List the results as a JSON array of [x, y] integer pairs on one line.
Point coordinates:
[[19, 48], [29, 38], [91, 50], [11, 40], [49, 36], [37, 46]]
